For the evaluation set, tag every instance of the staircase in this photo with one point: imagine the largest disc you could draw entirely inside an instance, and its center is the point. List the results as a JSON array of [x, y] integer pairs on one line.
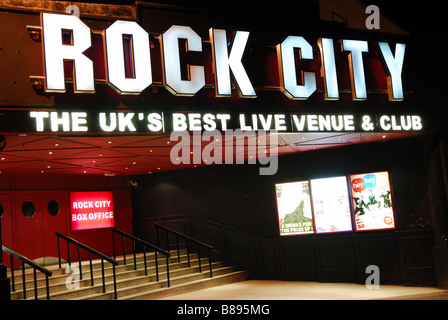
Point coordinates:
[[131, 284]]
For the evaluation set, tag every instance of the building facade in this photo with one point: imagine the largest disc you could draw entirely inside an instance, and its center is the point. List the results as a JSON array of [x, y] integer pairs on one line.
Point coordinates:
[[132, 105]]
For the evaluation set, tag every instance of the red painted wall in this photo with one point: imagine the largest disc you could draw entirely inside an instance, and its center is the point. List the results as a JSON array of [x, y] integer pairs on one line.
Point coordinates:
[[34, 237]]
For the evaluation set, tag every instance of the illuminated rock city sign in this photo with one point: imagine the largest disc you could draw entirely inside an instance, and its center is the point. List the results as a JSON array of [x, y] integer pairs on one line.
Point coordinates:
[[227, 61]]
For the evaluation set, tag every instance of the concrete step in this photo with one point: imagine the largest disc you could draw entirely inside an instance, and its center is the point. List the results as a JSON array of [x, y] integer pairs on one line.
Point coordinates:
[[138, 291], [60, 274], [58, 286], [190, 286], [132, 283]]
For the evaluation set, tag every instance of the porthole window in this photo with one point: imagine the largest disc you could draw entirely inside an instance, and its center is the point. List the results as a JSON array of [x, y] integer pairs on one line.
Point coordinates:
[[28, 209], [53, 208], [1, 210]]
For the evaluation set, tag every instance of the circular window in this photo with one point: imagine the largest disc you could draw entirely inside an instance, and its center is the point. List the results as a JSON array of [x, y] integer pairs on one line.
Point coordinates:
[[53, 207], [28, 209], [1, 210]]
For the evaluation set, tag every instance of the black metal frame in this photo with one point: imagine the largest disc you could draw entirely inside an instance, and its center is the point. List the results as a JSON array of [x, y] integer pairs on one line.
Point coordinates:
[[187, 240], [35, 267], [90, 251], [145, 245]]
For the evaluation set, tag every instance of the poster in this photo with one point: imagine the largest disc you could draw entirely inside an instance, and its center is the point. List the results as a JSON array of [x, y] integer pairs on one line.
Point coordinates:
[[294, 208], [372, 201], [331, 205]]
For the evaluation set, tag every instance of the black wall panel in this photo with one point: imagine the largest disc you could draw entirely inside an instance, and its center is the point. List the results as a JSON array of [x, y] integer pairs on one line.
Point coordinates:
[[234, 208]]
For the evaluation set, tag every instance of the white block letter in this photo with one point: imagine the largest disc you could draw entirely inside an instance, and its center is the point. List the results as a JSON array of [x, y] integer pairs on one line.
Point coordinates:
[[223, 62], [141, 58], [356, 65], [328, 69], [171, 61], [395, 67], [55, 52], [287, 68]]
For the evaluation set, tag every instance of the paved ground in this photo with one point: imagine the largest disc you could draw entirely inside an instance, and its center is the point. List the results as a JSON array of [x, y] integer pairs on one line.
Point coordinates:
[[293, 290]]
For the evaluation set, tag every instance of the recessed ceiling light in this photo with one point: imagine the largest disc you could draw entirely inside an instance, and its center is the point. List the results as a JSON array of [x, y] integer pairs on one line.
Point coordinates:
[[50, 152]]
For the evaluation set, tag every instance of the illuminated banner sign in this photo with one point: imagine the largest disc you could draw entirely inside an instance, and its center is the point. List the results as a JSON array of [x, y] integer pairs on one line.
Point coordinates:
[[91, 210], [158, 122], [129, 70], [323, 206]]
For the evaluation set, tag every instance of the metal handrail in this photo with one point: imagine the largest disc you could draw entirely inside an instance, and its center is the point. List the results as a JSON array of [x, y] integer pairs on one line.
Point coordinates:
[[90, 251], [145, 245], [35, 267], [187, 239]]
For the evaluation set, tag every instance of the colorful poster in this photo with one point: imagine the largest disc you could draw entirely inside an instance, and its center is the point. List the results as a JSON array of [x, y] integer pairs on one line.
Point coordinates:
[[294, 208], [372, 201], [331, 205]]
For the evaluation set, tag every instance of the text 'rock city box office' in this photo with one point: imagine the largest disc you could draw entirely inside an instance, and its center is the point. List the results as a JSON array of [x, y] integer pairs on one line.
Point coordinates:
[[89, 102]]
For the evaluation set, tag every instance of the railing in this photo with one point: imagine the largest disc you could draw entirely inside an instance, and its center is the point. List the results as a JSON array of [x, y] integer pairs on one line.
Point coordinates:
[[145, 245], [35, 267], [90, 251], [187, 241]]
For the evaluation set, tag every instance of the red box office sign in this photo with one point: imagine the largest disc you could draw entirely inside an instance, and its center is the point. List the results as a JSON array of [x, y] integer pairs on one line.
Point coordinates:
[[91, 210]]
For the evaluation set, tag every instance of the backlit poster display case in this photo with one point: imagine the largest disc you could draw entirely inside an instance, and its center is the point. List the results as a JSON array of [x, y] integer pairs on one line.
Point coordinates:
[[294, 208], [331, 205], [372, 201]]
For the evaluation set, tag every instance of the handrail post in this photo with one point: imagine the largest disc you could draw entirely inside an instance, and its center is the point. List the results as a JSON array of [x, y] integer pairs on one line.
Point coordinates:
[[199, 259], [91, 269], [79, 261], [124, 250], [157, 265], [188, 254], [167, 241], [102, 272], [48, 286], [210, 262], [144, 258], [59, 251], [167, 271], [35, 284], [115, 282], [135, 259], [69, 258], [113, 244], [177, 244], [12, 274], [23, 280]]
